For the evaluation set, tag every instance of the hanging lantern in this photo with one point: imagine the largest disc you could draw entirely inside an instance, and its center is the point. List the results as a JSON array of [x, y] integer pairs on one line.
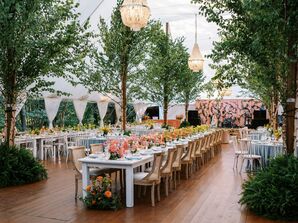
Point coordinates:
[[196, 60], [135, 13]]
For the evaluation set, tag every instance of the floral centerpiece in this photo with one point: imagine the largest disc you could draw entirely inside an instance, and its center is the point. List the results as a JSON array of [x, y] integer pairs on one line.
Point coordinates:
[[105, 130], [146, 117], [149, 124], [99, 195], [277, 134], [179, 117], [116, 150]]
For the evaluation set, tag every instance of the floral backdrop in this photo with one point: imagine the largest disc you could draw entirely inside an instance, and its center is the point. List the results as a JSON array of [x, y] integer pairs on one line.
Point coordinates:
[[236, 111]]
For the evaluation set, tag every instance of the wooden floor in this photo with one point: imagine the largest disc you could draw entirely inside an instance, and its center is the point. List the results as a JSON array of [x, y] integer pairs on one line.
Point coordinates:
[[210, 196]]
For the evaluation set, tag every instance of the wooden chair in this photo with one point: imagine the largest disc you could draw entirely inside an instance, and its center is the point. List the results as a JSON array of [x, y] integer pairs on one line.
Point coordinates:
[[77, 153], [187, 160], [96, 148], [248, 153], [167, 169], [177, 164], [193, 155], [205, 148], [152, 178], [198, 154]]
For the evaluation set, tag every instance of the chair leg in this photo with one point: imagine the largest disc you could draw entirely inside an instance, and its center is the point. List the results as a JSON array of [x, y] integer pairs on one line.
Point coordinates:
[[186, 171], [171, 183], [121, 179], [67, 155], [242, 161], [179, 176], [235, 162], [261, 166], [167, 186], [158, 192], [76, 187], [152, 195], [139, 191], [116, 180], [175, 179], [144, 191]]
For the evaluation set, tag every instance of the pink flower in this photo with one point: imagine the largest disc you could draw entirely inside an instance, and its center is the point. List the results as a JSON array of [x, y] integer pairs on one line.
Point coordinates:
[[125, 145]]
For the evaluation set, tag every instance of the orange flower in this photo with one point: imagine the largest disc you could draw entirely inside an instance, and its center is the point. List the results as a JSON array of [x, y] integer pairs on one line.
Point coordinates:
[[88, 188], [108, 194], [99, 178], [93, 202]]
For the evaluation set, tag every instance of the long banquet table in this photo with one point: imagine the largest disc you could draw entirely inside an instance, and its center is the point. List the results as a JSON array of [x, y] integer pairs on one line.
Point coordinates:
[[125, 164]]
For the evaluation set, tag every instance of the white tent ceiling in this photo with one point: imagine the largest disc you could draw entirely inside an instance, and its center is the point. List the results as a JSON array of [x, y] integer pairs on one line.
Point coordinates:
[[180, 15]]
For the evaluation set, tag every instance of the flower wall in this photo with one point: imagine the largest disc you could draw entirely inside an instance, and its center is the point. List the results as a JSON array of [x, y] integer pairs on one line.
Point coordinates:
[[236, 110]]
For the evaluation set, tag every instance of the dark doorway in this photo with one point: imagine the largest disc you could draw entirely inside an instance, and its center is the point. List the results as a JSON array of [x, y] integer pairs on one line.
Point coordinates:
[[259, 119], [193, 118], [152, 112]]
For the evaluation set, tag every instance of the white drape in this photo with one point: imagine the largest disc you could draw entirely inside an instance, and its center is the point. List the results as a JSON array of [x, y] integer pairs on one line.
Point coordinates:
[[80, 107], [118, 112], [21, 99], [140, 109], [52, 106], [102, 108]]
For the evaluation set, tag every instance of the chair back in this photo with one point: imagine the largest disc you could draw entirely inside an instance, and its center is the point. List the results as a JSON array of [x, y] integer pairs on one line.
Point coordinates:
[[207, 143], [78, 152], [195, 146], [96, 148], [154, 175], [199, 146], [167, 168], [234, 143], [177, 162], [187, 156], [203, 143], [244, 146]]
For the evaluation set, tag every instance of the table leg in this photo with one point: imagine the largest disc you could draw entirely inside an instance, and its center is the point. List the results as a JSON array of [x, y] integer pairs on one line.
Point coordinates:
[[34, 148], [129, 187], [85, 178], [41, 150]]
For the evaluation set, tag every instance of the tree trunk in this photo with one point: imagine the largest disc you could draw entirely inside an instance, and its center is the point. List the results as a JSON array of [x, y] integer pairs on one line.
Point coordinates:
[[290, 104], [186, 109], [23, 118], [124, 102], [10, 96], [274, 112], [165, 110], [10, 123], [296, 113]]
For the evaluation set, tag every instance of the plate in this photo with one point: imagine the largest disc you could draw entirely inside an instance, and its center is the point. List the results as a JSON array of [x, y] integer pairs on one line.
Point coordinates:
[[133, 158], [93, 156]]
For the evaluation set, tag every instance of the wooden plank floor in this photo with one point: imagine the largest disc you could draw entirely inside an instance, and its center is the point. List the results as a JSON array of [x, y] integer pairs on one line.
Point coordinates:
[[210, 196]]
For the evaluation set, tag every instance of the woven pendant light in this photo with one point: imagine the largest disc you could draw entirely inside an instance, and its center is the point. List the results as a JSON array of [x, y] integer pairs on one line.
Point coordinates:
[[196, 60], [135, 13]]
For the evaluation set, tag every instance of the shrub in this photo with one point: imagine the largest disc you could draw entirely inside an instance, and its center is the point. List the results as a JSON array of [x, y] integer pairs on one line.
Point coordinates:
[[99, 195], [18, 166], [273, 192], [184, 124]]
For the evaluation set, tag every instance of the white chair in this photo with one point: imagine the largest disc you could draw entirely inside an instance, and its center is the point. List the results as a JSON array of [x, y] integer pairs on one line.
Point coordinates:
[[237, 151], [249, 154], [60, 146], [48, 146]]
